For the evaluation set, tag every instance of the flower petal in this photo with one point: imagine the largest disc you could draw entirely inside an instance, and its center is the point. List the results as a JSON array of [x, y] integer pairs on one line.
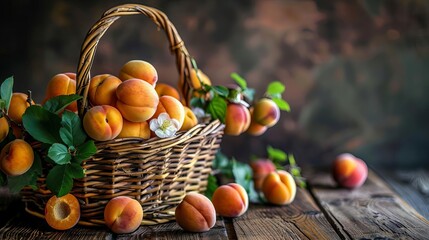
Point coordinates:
[[153, 125]]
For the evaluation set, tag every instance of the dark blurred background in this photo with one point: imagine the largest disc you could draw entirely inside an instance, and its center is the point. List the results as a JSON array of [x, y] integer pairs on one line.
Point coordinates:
[[356, 72]]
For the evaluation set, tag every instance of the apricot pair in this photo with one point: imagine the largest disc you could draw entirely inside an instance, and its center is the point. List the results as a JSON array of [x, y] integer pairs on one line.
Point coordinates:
[[196, 213]]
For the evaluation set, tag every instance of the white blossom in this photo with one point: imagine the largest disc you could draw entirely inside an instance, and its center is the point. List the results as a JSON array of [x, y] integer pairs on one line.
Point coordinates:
[[164, 126]]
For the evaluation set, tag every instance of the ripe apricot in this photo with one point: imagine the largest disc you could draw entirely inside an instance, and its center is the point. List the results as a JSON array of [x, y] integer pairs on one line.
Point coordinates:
[[164, 89], [103, 122], [137, 100], [230, 200], [18, 105], [279, 187], [16, 158], [4, 128], [139, 69], [195, 213], [237, 119], [102, 89], [62, 84], [172, 107], [349, 171], [266, 112], [123, 214], [190, 119], [134, 129], [62, 213]]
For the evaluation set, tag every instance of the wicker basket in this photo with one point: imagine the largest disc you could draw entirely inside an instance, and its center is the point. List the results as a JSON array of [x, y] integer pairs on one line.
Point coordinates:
[[156, 172]]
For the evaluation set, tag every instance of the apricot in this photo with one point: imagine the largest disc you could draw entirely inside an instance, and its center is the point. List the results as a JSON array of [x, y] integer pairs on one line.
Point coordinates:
[[18, 105], [266, 112], [172, 107], [123, 214], [134, 129], [164, 89], [103, 122], [62, 84], [137, 100], [62, 213], [230, 200], [190, 119], [261, 168], [279, 187], [139, 69], [256, 129], [195, 213], [197, 78], [102, 89], [4, 128], [349, 171], [237, 119], [16, 158]]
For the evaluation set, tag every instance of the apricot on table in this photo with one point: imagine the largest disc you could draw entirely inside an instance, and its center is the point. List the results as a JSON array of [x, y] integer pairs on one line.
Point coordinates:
[[230, 200], [123, 214], [261, 168], [139, 69], [164, 89], [349, 171], [4, 128], [171, 106], [16, 158], [266, 112], [279, 187], [237, 119], [62, 213], [137, 100], [195, 213], [18, 105], [102, 89], [103, 122], [62, 84], [190, 119], [134, 129]]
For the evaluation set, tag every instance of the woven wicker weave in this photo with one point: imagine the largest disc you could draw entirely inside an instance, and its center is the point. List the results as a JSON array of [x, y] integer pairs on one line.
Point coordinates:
[[156, 172]]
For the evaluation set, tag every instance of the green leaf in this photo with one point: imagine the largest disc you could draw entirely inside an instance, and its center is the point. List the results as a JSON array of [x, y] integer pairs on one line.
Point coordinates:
[[212, 185], [42, 125], [59, 180], [275, 87], [217, 108], [58, 103], [239, 80], [243, 176], [71, 131], [29, 178], [2, 106], [249, 94], [59, 154], [85, 151], [197, 102], [276, 155], [221, 90], [6, 90], [282, 104], [75, 170]]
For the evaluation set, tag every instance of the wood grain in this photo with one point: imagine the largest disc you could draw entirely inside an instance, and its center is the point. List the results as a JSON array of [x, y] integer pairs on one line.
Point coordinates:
[[300, 220], [369, 212]]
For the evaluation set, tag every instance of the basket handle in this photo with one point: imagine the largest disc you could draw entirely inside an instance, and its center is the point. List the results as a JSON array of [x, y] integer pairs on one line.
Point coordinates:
[[89, 47]]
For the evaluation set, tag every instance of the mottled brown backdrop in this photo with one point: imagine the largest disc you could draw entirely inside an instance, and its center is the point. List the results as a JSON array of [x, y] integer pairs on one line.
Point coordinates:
[[356, 72]]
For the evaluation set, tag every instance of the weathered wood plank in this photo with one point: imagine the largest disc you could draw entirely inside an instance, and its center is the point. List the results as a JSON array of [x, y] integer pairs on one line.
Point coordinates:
[[25, 226], [300, 220], [369, 212], [411, 185], [172, 230]]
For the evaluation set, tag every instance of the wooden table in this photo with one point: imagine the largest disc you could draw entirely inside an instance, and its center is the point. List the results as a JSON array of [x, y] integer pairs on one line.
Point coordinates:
[[374, 211]]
